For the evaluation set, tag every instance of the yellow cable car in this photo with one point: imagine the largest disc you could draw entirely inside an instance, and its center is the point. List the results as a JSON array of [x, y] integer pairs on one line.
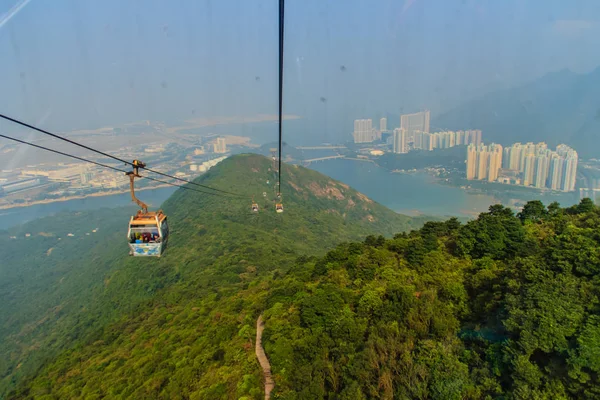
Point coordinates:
[[148, 232], [254, 207]]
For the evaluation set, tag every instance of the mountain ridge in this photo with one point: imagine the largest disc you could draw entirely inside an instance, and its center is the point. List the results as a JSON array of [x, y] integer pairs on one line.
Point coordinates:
[[554, 108]]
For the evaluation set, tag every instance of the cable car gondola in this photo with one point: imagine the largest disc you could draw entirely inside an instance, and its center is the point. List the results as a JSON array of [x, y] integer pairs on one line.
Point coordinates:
[[148, 232], [254, 207], [279, 206]]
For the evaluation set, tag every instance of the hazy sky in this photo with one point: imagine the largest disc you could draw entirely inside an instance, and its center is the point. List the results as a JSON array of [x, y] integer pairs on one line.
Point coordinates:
[[84, 63]]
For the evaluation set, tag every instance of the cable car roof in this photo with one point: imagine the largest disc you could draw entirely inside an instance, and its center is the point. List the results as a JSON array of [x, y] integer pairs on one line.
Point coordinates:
[[148, 218]]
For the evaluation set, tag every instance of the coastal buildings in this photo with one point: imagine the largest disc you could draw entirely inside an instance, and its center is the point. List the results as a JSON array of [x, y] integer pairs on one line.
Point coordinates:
[[412, 123], [363, 131], [484, 162], [416, 134], [445, 139], [400, 141], [383, 124], [526, 164], [220, 146]]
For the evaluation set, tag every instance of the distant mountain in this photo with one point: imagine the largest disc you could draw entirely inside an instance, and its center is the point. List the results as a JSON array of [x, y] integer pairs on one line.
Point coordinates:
[[84, 292], [561, 107]]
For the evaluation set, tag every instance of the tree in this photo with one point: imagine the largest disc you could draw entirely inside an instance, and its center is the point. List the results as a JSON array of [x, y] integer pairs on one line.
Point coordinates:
[[585, 205], [533, 211]]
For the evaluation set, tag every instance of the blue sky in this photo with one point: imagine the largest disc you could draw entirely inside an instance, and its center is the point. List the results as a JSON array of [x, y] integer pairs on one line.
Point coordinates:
[[81, 64]]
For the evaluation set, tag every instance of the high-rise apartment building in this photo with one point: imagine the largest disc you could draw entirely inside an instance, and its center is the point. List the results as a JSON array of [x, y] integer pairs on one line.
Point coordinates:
[[428, 141], [540, 173], [482, 162], [472, 136], [414, 122], [540, 147], [494, 161], [515, 157], [220, 146], [556, 171], [383, 124], [451, 139], [471, 161], [418, 140], [569, 172], [478, 137], [506, 158], [363, 131], [529, 169], [562, 149], [400, 141], [467, 137]]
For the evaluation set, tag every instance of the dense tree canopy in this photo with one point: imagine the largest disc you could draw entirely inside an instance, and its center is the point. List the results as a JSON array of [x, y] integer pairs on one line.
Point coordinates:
[[503, 307]]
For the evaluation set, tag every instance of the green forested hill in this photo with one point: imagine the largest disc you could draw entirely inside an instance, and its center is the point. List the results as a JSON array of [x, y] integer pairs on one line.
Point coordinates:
[[180, 324], [503, 307]]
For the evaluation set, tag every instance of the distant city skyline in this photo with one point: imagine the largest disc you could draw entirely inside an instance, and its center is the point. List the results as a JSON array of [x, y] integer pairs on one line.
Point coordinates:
[[91, 64]]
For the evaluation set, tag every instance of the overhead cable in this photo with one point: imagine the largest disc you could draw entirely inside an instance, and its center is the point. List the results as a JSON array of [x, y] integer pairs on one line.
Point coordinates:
[[281, 23], [16, 121], [104, 165]]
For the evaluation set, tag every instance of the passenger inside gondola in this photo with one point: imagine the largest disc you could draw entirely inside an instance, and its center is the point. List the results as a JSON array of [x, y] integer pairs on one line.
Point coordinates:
[[144, 235]]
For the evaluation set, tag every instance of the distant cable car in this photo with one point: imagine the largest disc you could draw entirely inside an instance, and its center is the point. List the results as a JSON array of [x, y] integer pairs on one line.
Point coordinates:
[[148, 232], [279, 206], [254, 207]]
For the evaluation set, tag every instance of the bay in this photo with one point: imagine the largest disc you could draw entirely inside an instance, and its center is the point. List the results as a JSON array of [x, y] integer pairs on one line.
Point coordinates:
[[410, 194]]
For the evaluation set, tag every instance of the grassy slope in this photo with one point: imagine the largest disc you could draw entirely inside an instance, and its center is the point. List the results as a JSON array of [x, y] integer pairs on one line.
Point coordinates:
[[183, 323]]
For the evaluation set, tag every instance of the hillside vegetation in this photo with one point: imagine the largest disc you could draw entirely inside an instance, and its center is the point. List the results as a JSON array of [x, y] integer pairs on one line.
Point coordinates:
[[146, 319], [503, 307]]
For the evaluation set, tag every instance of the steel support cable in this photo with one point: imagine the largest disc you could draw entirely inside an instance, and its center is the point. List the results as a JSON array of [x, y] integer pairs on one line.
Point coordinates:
[[281, 24], [104, 165], [18, 122]]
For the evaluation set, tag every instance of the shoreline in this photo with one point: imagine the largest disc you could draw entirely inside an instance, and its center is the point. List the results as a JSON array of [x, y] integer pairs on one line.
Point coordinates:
[[69, 198]]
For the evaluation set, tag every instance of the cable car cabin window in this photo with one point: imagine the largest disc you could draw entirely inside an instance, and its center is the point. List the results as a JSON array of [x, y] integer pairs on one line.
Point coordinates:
[[149, 234]]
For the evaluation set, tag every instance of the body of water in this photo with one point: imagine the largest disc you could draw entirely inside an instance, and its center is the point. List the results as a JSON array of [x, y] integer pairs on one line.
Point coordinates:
[[16, 216], [410, 194]]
